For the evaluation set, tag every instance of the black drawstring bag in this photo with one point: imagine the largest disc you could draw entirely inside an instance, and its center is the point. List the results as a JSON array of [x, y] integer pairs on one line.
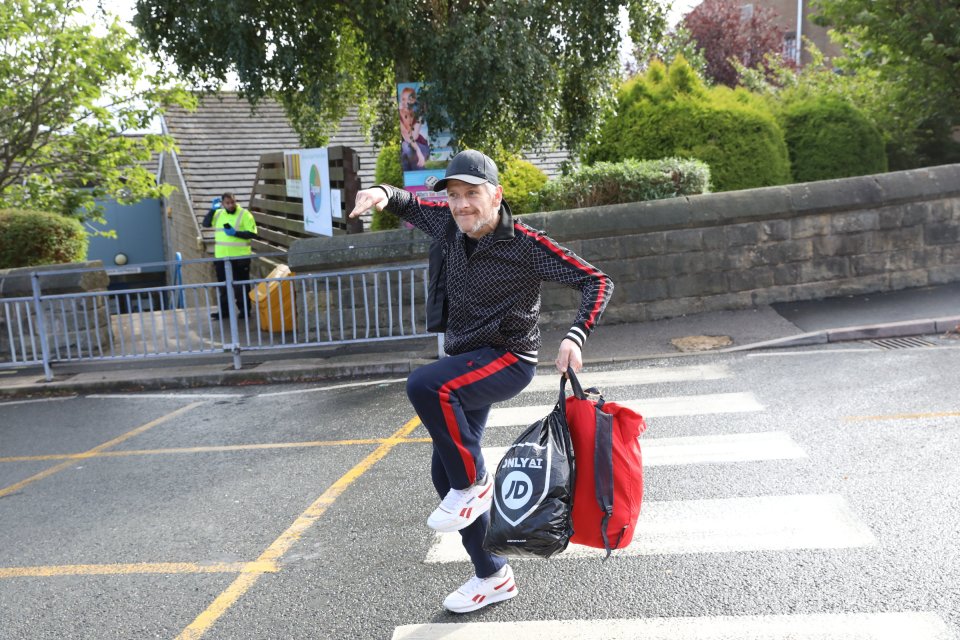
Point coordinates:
[[533, 497]]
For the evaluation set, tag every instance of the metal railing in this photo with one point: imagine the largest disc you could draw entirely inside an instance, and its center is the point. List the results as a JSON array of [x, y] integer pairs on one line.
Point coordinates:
[[309, 310]]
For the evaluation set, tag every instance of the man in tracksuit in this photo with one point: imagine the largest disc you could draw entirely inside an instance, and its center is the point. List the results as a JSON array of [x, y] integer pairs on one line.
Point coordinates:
[[495, 266]]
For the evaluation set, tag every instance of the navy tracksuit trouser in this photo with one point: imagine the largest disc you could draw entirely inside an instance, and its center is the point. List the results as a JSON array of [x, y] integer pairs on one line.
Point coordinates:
[[453, 397]]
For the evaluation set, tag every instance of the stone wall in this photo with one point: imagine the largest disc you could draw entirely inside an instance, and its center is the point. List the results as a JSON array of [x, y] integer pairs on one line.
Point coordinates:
[[72, 328], [729, 250]]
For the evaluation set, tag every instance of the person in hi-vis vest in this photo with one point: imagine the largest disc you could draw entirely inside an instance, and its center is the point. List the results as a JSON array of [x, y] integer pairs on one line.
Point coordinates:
[[234, 227]]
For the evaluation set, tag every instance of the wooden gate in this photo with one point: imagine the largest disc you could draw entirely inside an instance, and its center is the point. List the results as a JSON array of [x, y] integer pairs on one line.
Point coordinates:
[[280, 216]]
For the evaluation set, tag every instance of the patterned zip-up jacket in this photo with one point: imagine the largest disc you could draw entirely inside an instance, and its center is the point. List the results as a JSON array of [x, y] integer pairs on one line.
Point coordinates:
[[494, 295]]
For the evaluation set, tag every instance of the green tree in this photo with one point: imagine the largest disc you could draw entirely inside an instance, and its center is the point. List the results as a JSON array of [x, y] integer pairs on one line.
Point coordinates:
[[920, 35], [69, 96], [829, 138], [34, 238], [500, 71], [893, 105], [914, 47], [670, 113]]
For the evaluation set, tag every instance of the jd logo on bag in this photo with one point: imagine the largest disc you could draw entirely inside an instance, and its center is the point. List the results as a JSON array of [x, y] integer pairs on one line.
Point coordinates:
[[518, 488], [534, 492]]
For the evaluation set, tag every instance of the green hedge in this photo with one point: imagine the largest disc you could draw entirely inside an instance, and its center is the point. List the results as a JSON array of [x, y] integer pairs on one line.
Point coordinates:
[[34, 238], [627, 181], [521, 181], [671, 113], [829, 138], [388, 171]]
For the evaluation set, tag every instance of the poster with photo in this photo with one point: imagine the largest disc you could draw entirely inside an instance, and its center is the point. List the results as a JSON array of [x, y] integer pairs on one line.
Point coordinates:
[[423, 153], [315, 170]]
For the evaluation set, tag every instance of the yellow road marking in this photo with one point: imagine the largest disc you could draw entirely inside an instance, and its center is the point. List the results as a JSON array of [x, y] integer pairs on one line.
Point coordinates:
[[281, 545], [209, 449], [136, 569], [905, 416], [92, 453]]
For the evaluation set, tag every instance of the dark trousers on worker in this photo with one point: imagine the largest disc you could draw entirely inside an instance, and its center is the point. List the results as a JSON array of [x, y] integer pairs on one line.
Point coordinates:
[[453, 397], [241, 271]]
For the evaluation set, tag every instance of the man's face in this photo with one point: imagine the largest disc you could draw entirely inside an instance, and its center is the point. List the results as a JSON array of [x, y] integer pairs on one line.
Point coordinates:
[[229, 204], [474, 207]]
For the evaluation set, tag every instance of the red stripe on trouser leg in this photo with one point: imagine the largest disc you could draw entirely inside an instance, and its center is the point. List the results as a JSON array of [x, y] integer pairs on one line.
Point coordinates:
[[450, 417]]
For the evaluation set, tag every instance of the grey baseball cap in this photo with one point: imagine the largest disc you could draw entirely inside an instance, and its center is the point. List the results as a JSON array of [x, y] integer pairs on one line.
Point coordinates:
[[470, 166]]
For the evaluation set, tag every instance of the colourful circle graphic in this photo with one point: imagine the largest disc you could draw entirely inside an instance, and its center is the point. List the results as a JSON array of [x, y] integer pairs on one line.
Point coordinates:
[[316, 187]]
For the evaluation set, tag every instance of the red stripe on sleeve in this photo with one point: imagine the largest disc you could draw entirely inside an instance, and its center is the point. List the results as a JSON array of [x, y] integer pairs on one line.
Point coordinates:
[[428, 203], [556, 250], [450, 417]]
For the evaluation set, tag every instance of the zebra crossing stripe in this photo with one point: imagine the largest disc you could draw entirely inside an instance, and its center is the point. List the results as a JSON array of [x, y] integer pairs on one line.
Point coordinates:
[[822, 626], [628, 377], [737, 447], [649, 408], [766, 523]]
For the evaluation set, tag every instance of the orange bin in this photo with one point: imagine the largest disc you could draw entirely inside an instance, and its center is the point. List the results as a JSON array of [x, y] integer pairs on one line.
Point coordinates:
[[274, 301]]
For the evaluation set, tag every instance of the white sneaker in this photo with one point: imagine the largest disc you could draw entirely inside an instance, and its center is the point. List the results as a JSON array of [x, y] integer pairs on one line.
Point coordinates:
[[477, 593], [460, 508]]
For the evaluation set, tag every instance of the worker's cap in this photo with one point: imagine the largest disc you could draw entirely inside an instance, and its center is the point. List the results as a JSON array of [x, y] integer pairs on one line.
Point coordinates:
[[472, 167]]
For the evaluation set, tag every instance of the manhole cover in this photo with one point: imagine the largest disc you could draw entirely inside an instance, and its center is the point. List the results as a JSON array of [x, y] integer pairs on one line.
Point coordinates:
[[701, 343], [901, 343]]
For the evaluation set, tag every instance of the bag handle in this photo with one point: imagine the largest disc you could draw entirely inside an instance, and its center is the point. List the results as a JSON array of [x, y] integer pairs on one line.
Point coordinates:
[[574, 385]]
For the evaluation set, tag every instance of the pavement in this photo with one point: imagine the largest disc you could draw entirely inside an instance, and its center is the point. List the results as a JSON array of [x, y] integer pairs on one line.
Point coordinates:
[[929, 311]]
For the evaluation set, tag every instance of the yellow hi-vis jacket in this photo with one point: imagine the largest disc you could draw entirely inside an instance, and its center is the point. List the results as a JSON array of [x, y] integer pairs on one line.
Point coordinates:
[[231, 246]]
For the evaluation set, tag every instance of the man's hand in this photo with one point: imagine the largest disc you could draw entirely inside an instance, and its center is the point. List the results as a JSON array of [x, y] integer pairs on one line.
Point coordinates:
[[569, 356], [369, 199]]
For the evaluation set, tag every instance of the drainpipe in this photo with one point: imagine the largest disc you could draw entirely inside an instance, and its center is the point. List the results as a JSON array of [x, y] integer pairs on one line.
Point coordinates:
[[799, 31]]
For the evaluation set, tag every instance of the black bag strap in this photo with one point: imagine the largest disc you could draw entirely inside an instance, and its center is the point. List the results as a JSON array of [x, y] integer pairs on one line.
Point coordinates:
[[574, 387], [602, 454], [603, 472]]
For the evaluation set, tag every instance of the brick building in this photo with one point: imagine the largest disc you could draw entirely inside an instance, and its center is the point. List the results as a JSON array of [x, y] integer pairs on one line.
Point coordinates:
[[788, 12]]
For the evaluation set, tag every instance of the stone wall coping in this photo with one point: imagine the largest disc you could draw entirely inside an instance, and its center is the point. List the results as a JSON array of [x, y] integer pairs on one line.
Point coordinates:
[[89, 276], [707, 210]]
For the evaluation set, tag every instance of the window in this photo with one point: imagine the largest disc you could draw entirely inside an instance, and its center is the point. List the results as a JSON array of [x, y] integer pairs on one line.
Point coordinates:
[[790, 46]]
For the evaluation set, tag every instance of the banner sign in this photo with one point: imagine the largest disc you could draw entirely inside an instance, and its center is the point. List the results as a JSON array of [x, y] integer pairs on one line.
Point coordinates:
[[315, 181], [423, 154]]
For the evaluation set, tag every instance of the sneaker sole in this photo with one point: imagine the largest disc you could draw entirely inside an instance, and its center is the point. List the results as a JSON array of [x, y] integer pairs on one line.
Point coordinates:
[[463, 523], [473, 606]]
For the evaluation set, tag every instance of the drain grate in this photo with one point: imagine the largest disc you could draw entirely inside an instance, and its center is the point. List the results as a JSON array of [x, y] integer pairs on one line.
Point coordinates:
[[901, 343]]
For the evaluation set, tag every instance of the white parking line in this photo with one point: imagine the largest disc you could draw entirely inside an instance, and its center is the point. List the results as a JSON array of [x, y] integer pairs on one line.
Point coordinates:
[[824, 626], [348, 385], [627, 377], [273, 394], [737, 447], [163, 396], [692, 405], [36, 400], [767, 523], [775, 354]]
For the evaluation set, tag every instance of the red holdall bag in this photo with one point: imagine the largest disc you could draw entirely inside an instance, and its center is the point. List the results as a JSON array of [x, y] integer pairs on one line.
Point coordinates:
[[609, 482]]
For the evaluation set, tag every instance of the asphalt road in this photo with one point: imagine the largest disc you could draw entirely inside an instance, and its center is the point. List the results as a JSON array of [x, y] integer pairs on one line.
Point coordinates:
[[801, 488]]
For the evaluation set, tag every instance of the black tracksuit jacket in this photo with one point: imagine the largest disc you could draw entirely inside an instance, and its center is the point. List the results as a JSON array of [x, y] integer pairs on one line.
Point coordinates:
[[494, 295]]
